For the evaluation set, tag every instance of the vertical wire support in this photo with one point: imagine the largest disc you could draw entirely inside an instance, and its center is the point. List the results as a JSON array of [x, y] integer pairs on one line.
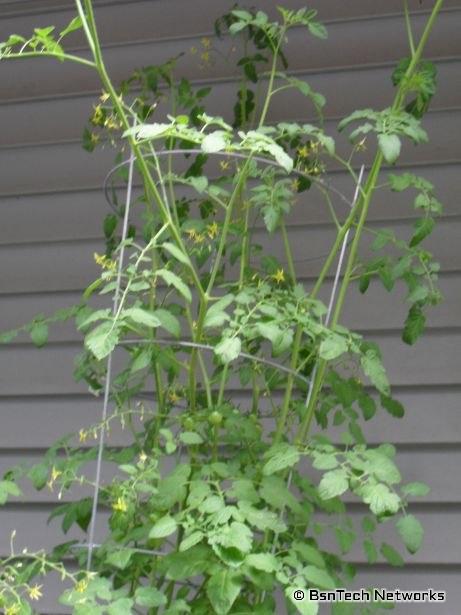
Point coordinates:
[[94, 510], [331, 303]]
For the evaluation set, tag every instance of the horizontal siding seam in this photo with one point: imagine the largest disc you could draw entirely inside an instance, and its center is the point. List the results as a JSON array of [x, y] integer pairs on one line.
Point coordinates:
[[224, 80]]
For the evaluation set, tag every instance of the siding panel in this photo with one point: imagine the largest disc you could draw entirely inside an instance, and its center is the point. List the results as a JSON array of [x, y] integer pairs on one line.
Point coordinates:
[[50, 197]]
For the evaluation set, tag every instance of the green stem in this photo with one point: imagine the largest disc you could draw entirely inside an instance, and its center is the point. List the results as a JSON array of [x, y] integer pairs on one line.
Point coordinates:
[[49, 54], [364, 203]]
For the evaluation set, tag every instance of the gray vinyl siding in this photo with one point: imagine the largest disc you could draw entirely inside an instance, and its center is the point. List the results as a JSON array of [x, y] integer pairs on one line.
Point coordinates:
[[51, 202]]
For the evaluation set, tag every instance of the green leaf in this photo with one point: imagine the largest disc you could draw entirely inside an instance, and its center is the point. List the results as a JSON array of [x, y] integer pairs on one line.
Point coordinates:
[[163, 527], [75, 24], [262, 561], [190, 541], [172, 279], [141, 316], [373, 368], [214, 142], [222, 589], [176, 253], [411, 531], [228, 349], [390, 146], [415, 489], [370, 551], [102, 340], [393, 406], [423, 228], [317, 29], [414, 324], [39, 333], [319, 577], [309, 554], [191, 563], [149, 596], [280, 457], [333, 483], [391, 555], [122, 606], [120, 559], [168, 321], [380, 499], [190, 438], [304, 606], [333, 346]]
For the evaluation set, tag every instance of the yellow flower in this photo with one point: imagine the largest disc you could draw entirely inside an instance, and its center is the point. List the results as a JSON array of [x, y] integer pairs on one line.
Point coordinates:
[[199, 238], [111, 123], [94, 138], [303, 151], [14, 609], [206, 42], [173, 397], [81, 586], [279, 276], [35, 592], [82, 435], [104, 97], [295, 185], [104, 262], [193, 50], [192, 233], [205, 56], [224, 164], [55, 474], [143, 457], [120, 505], [98, 115], [212, 230]]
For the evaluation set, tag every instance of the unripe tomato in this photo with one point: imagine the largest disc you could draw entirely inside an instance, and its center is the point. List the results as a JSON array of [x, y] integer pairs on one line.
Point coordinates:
[[215, 418]]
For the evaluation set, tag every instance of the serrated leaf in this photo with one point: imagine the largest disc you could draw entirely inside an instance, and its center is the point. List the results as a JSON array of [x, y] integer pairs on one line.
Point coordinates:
[[228, 349], [122, 606], [415, 489], [163, 527], [280, 457], [168, 321], [102, 340], [141, 316], [172, 279], [267, 562], [214, 142], [380, 499], [120, 558], [411, 531], [333, 483], [370, 551], [304, 606], [222, 589], [176, 253], [373, 368], [390, 146], [332, 347], [391, 555], [190, 541], [150, 597], [414, 324], [39, 333], [423, 228], [190, 438], [319, 577]]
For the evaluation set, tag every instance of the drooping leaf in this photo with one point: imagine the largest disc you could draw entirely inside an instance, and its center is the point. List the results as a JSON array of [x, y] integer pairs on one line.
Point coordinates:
[[222, 589], [411, 531]]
